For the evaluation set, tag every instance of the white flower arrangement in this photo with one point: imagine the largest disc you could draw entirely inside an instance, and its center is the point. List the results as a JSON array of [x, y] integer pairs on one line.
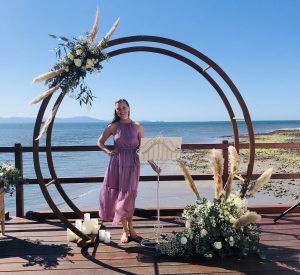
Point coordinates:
[[223, 227], [9, 178], [81, 56]]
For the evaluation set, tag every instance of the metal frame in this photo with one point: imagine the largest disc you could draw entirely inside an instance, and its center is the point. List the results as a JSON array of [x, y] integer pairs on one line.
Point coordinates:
[[124, 50]]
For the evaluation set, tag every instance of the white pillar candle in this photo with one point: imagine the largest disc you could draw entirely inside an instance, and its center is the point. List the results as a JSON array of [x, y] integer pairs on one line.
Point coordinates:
[[94, 221], [78, 224], [88, 226], [95, 229], [71, 236], [101, 234], [87, 217], [107, 237]]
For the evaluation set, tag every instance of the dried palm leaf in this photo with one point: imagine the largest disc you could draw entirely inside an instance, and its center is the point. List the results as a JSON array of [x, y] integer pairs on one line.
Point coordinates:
[[94, 30], [46, 76], [248, 217], [263, 179], [109, 34], [217, 165], [45, 94], [189, 180]]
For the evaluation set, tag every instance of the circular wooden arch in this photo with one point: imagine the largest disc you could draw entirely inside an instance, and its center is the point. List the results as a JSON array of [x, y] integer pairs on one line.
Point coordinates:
[[124, 50]]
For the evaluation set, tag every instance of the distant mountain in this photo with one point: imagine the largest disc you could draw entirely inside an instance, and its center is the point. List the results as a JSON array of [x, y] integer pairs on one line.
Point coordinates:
[[78, 119]]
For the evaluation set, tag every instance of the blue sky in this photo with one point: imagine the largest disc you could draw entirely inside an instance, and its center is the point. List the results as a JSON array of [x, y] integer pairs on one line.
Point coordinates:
[[257, 43]]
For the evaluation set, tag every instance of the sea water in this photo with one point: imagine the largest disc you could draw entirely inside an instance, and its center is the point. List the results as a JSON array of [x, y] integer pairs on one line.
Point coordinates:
[[90, 164]]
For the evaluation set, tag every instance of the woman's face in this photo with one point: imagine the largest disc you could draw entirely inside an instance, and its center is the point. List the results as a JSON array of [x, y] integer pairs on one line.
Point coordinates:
[[122, 110]]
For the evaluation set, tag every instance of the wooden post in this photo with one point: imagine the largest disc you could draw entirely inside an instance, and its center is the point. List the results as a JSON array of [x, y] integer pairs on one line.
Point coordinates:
[[19, 187], [225, 156]]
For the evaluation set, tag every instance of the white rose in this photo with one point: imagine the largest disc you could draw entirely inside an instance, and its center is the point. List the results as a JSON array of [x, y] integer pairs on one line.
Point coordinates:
[[187, 224], [231, 239], [66, 68], [203, 233], [79, 52], [77, 62], [231, 243], [90, 63], [217, 245], [1, 174], [183, 240], [70, 56]]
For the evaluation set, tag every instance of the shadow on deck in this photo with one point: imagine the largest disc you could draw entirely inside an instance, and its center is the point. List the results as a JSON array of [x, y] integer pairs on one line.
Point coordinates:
[[33, 247]]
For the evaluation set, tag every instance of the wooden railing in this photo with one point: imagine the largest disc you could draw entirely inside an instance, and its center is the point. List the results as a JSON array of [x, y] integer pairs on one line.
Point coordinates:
[[19, 150]]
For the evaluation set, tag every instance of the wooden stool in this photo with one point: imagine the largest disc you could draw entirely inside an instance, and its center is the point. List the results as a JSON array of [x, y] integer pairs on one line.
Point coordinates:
[[2, 211]]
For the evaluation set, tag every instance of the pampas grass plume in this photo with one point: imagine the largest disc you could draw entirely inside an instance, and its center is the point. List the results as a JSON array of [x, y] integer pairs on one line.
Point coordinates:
[[263, 179], [49, 120], [188, 178], [217, 165], [248, 217], [93, 32], [228, 185], [46, 76], [234, 159], [110, 32], [44, 94]]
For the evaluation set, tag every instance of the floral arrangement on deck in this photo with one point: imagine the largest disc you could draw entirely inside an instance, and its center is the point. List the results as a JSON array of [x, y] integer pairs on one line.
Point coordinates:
[[9, 178], [77, 57], [223, 227]]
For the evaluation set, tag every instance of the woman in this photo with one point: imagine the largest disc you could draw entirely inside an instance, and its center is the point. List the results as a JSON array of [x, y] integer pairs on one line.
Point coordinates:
[[119, 189]]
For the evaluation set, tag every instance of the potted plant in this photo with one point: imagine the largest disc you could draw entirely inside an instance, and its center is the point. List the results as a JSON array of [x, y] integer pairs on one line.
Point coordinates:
[[9, 178]]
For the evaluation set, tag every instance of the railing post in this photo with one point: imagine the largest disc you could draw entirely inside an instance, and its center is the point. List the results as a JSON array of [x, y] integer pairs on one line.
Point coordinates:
[[225, 156], [19, 187]]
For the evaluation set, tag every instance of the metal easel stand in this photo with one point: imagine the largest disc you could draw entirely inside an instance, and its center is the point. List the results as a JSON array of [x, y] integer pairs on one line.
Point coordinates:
[[287, 211], [154, 241]]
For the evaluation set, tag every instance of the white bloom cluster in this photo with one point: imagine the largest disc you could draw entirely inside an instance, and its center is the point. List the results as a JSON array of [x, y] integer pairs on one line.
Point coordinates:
[[209, 230], [217, 245]]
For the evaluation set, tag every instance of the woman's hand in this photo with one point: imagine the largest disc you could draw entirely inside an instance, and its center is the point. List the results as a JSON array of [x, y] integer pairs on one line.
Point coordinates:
[[113, 152]]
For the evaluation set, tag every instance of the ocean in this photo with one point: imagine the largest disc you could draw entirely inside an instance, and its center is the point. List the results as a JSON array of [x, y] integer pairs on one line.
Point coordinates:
[[72, 164]]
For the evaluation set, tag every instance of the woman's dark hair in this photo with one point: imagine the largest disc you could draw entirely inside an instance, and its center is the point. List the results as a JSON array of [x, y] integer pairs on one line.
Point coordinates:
[[116, 117]]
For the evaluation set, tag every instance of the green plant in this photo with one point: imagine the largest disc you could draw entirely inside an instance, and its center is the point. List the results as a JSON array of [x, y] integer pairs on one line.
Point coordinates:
[[9, 177]]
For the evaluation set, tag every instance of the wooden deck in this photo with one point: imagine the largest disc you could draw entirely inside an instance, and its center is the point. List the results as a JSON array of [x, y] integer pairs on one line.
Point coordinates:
[[34, 247]]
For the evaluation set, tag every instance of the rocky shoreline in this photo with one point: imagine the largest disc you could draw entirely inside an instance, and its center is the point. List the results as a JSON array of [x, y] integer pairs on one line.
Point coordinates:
[[281, 160]]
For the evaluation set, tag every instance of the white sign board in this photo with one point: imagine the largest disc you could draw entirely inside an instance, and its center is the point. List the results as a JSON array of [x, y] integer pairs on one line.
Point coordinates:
[[160, 148]]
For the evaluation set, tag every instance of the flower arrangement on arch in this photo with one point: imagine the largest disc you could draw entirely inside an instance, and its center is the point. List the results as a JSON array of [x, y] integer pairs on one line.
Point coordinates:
[[9, 178], [223, 227], [77, 57]]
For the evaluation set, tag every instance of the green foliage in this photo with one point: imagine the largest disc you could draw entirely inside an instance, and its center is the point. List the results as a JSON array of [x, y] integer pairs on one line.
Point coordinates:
[[209, 231], [77, 57], [9, 178]]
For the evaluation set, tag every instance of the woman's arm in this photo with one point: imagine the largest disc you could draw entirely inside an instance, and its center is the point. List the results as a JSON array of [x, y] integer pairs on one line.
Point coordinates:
[[104, 136]]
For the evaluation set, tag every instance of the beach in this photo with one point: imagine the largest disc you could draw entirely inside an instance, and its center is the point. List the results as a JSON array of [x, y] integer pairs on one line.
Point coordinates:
[[281, 160]]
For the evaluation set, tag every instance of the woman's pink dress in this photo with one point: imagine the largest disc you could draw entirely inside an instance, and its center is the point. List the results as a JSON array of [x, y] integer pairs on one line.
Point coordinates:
[[119, 188]]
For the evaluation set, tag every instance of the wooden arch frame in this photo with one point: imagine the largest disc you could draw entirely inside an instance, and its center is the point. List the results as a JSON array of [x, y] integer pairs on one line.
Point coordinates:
[[124, 50]]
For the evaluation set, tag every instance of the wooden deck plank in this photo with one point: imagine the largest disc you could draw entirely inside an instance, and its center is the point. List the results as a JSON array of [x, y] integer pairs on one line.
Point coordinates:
[[32, 247]]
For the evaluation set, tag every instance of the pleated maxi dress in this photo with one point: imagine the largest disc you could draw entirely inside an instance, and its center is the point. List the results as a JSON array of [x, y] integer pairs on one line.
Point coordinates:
[[119, 188]]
